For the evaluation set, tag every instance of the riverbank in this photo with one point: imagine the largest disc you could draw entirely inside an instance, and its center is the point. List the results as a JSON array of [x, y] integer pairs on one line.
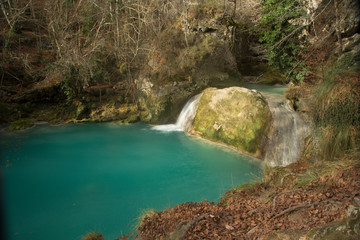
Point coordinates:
[[64, 113], [303, 200]]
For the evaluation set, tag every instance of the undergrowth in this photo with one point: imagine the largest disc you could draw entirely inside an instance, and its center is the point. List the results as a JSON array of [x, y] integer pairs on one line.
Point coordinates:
[[93, 236], [144, 216], [336, 110]]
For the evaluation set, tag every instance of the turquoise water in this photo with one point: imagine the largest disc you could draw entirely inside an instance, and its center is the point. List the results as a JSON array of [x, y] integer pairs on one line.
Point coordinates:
[[62, 182], [272, 89]]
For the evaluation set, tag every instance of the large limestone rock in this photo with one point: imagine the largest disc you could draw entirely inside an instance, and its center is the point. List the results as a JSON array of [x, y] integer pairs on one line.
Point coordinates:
[[236, 116]]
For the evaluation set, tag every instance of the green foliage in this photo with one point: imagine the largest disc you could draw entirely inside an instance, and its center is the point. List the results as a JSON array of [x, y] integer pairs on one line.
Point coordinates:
[[305, 179], [87, 25], [88, 22], [248, 186], [281, 34], [68, 85], [21, 124], [273, 175], [192, 56], [301, 73]]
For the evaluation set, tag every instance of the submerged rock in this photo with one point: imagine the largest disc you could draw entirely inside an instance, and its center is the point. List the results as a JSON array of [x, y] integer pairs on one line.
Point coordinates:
[[236, 116]]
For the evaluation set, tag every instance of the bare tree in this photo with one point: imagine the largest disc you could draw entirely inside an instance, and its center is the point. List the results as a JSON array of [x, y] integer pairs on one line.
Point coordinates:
[[337, 26], [186, 7], [13, 11]]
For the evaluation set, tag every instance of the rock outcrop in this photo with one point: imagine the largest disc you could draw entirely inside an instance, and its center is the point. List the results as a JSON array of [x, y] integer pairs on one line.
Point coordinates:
[[324, 25], [189, 56], [236, 116]]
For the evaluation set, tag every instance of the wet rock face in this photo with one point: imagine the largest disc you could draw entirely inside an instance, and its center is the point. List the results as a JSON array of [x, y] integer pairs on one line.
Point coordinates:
[[235, 116], [164, 88], [162, 104]]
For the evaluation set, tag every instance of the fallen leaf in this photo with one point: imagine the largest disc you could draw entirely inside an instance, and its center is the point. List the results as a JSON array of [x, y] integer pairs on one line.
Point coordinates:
[[228, 227]]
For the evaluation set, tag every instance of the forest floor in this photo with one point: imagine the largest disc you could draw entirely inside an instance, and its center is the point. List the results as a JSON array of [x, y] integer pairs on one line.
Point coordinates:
[[290, 201]]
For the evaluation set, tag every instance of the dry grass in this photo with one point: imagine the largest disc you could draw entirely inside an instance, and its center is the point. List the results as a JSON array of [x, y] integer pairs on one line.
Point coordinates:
[[93, 236]]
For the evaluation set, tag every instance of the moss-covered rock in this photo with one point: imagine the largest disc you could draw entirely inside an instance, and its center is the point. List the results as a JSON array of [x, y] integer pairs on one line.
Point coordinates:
[[114, 111], [162, 104], [21, 124], [82, 111], [236, 116]]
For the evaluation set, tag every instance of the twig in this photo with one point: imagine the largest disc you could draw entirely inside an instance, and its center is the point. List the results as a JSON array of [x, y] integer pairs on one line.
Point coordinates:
[[289, 174], [252, 230], [182, 228], [292, 209], [274, 203]]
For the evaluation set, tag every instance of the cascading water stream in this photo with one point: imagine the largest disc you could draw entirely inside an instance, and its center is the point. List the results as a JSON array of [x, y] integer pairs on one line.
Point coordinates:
[[286, 137], [185, 118], [287, 134]]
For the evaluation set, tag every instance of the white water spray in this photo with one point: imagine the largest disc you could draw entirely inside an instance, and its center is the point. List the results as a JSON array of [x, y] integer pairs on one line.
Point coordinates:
[[185, 118]]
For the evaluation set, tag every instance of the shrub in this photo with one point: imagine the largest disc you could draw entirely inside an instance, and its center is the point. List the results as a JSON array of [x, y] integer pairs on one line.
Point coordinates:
[[281, 31], [21, 124], [336, 110], [194, 55], [145, 216]]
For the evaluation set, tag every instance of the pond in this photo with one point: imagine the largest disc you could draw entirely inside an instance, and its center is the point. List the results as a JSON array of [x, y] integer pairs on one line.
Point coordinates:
[[60, 182], [267, 89]]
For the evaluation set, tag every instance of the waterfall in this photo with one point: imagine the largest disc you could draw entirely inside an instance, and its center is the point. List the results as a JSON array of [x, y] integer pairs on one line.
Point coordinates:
[[287, 134], [185, 119]]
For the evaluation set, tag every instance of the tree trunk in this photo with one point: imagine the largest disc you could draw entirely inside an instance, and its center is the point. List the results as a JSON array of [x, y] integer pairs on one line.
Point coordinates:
[[337, 26], [186, 23]]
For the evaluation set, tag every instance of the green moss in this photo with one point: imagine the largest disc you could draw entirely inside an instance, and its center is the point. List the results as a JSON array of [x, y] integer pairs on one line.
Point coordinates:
[[191, 57], [305, 179], [59, 114], [273, 175], [206, 9], [21, 124], [240, 119], [248, 185]]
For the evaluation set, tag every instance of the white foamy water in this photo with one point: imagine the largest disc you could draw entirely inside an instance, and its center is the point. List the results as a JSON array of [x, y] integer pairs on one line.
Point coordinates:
[[185, 118], [287, 134]]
